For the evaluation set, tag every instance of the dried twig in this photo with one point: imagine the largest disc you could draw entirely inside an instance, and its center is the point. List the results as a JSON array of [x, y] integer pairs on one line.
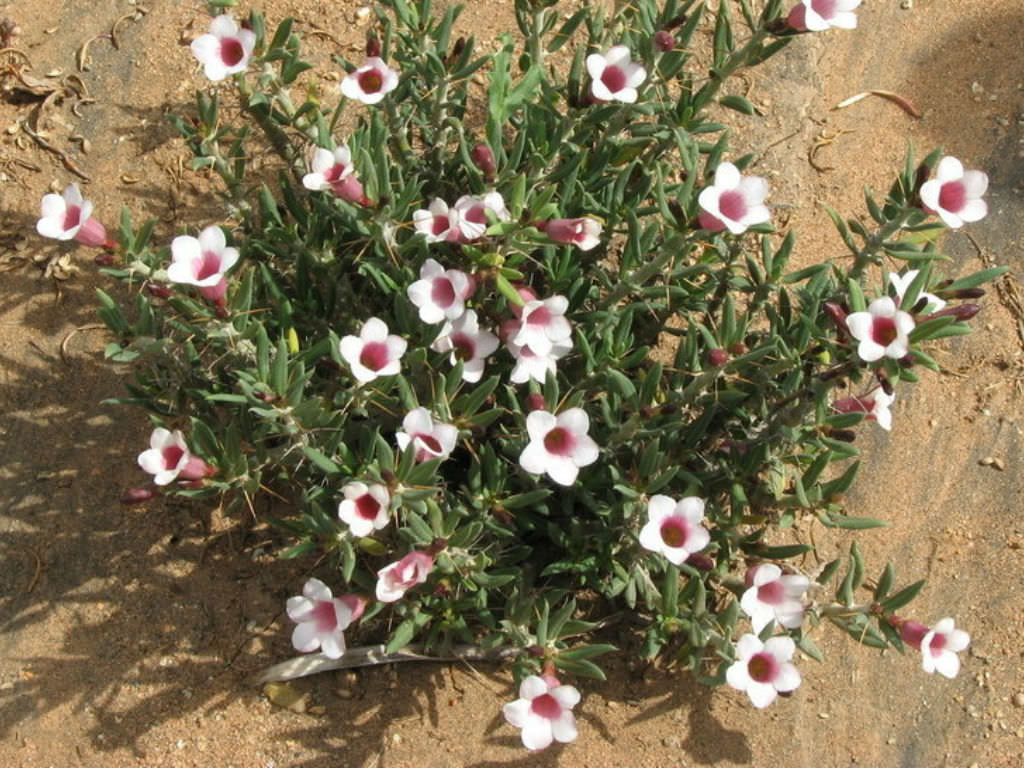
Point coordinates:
[[68, 162], [72, 332]]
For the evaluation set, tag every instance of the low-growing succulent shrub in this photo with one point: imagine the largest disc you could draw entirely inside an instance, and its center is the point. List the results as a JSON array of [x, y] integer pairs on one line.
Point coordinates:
[[521, 353]]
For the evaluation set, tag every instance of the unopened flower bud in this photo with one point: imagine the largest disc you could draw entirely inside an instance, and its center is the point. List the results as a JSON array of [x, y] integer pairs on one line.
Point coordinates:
[[196, 469], [535, 402], [838, 316], [483, 158], [137, 495], [883, 382], [717, 357], [962, 312], [373, 49], [159, 291], [739, 348], [664, 41], [437, 545], [843, 435], [969, 293], [701, 562]]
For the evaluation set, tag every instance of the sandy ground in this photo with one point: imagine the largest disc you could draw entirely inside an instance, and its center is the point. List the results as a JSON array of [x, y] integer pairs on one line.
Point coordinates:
[[128, 636]]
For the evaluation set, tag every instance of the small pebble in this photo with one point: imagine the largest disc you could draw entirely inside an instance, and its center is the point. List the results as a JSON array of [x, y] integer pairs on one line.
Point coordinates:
[[906, 5], [672, 742], [1018, 699]]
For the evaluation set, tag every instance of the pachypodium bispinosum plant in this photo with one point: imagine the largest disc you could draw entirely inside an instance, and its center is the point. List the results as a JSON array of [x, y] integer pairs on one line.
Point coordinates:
[[523, 370]]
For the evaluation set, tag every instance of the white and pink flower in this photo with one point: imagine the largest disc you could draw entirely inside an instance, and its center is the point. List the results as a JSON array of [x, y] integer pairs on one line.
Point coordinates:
[[473, 218], [559, 445], [876, 405], [955, 194], [734, 202], [613, 76], [440, 294], [543, 711], [764, 670], [374, 352], [202, 262], [69, 217], [226, 49], [530, 365], [437, 222], [542, 325], [938, 645], [321, 618], [432, 439], [394, 580], [169, 458], [333, 170], [901, 284], [365, 508], [819, 15], [467, 342], [674, 528], [371, 82], [584, 233], [773, 596], [883, 331]]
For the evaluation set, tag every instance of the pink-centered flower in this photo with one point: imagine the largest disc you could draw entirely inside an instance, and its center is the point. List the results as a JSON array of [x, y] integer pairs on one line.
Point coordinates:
[[321, 618], [613, 76], [819, 15], [473, 219], [584, 233], [374, 352], [169, 458], [371, 82], [955, 194], [773, 596], [876, 405], [440, 294], [467, 342], [202, 262], [559, 445], [226, 49], [432, 440], [69, 217], [365, 507], [437, 222], [901, 284], [542, 325], [939, 648], [543, 711], [883, 331], [764, 670], [334, 171], [734, 202], [394, 580], [530, 365], [674, 528]]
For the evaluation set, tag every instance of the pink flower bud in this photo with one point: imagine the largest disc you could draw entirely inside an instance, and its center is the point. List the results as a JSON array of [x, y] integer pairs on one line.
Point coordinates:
[[701, 562], [962, 312], [717, 357], [137, 495], [837, 315], [350, 189], [373, 49], [483, 157], [159, 291], [535, 402], [550, 679], [664, 41]]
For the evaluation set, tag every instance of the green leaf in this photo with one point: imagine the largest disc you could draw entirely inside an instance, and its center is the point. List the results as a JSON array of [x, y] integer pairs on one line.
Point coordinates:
[[904, 596], [402, 636]]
